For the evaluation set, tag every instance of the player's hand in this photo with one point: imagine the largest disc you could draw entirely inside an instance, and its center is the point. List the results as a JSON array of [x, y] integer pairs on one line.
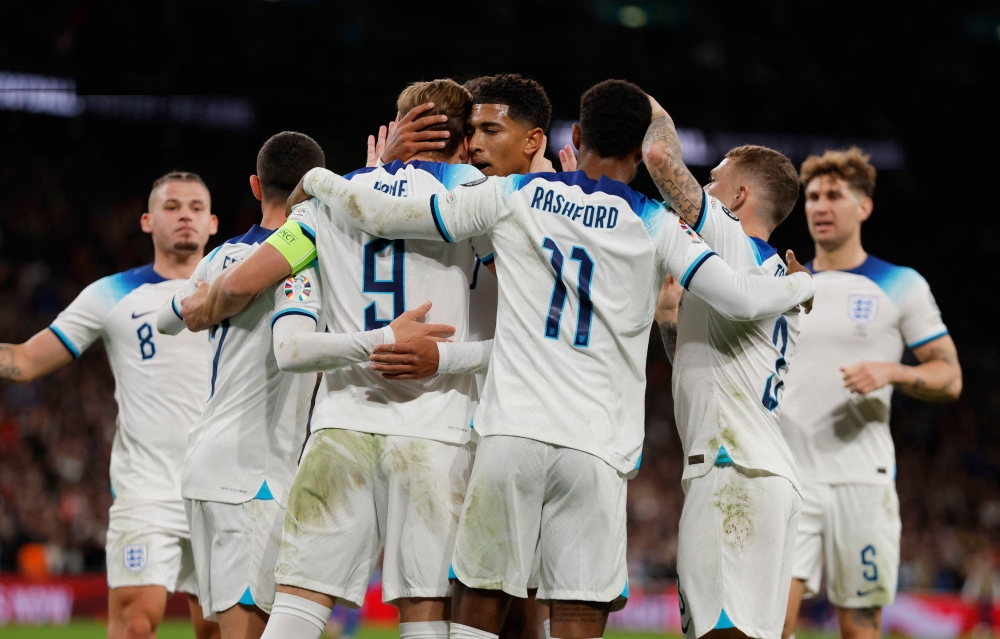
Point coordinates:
[[408, 137], [377, 146], [658, 111], [414, 360], [669, 299], [567, 159], [194, 310], [540, 163], [298, 195], [868, 376], [408, 326], [795, 267]]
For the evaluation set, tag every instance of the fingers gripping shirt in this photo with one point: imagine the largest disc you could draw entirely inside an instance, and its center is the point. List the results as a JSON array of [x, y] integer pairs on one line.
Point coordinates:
[[160, 380], [580, 262], [247, 441]]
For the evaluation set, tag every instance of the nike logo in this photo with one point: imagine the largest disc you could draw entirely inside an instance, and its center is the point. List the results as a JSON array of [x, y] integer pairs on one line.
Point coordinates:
[[134, 316], [684, 627], [865, 593]]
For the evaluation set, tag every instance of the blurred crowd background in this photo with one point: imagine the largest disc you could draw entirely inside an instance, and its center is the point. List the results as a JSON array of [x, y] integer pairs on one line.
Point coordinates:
[[72, 187]]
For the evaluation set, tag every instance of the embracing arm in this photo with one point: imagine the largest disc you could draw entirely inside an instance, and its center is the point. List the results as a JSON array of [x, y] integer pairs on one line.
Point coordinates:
[[298, 348], [661, 151], [938, 377], [667, 306], [37, 357]]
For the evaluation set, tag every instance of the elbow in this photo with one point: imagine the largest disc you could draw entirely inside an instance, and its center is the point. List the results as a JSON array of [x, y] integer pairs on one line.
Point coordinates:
[[656, 155], [954, 390], [232, 288]]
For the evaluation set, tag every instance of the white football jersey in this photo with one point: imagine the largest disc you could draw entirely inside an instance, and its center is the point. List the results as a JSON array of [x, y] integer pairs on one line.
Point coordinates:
[[483, 307], [161, 381], [247, 442], [374, 280], [869, 313], [728, 376]]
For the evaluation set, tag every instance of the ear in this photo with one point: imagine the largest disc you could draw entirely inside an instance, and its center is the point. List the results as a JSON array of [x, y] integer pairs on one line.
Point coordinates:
[[146, 223], [867, 205], [255, 187], [465, 150], [576, 137], [533, 141], [213, 225], [742, 195]]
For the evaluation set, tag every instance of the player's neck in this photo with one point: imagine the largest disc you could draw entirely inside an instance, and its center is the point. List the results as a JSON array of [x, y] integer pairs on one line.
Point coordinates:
[[595, 166], [273, 215], [844, 257], [431, 156], [753, 227], [176, 265]]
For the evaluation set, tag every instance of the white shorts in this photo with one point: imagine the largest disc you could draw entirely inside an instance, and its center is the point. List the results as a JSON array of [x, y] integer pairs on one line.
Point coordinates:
[[854, 530], [734, 554], [355, 493], [148, 544], [235, 550], [525, 493]]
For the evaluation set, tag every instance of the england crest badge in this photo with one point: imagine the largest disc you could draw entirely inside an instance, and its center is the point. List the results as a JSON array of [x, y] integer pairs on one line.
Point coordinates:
[[135, 556], [862, 309]]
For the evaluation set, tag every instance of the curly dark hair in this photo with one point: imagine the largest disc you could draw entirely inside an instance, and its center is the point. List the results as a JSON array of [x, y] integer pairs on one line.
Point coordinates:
[[528, 102], [614, 116], [282, 162]]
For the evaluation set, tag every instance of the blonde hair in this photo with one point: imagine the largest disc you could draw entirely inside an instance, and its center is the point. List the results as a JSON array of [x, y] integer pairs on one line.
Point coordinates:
[[851, 165], [450, 98], [174, 176]]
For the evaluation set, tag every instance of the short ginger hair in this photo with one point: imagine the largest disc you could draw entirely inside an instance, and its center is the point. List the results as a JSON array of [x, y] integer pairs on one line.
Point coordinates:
[[773, 173], [851, 165], [450, 98]]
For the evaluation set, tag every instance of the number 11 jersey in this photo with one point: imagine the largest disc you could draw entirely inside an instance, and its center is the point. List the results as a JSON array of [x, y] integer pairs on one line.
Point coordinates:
[[372, 280]]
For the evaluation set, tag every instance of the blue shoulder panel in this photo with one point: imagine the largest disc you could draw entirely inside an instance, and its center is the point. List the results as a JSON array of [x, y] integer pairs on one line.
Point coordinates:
[[761, 249], [605, 185], [255, 235], [117, 286], [895, 281], [368, 169]]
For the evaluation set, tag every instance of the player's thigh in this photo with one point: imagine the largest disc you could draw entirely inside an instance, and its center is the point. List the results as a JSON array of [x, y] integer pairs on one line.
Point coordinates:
[[809, 554], [425, 482], [331, 537], [737, 534], [863, 550], [583, 537], [499, 526]]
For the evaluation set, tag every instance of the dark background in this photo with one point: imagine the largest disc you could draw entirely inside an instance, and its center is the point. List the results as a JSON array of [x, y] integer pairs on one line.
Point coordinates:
[[926, 74]]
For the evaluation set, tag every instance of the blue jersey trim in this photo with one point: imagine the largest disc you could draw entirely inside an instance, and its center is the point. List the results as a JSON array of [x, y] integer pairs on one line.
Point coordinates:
[[264, 493], [724, 621], [293, 311], [367, 169], [761, 249], [438, 222], [255, 235], [218, 356], [173, 305], [722, 458], [247, 598], [211, 256], [451, 572], [114, 495], [927, 340], [686, 280], [307, 231], [488, 259], [65, 341], [702, 214], [624, 594]]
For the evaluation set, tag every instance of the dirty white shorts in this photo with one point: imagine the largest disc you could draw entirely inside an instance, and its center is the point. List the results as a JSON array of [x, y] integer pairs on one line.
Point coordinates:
[[734, 555], [235, 550], [569, 504], [355, 493], [854, 529], [148, 544]]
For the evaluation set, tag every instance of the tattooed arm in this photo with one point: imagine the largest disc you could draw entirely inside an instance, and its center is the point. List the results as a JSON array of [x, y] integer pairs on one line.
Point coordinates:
[[661, 150], [938, 377], [666, 314], [39, 356]]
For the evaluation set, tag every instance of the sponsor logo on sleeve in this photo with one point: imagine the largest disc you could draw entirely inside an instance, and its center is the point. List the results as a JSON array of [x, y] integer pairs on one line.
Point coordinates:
[[862, 309], [475, 182], [136, 557], [298, 288]]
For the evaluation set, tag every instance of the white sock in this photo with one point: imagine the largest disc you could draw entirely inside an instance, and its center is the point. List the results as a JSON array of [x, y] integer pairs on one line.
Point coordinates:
[[547, 629], [294, 617], [424, 630], [458, 631]]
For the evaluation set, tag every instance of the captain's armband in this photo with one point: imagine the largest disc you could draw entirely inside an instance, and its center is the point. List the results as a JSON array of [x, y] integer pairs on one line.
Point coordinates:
[[295, 243]]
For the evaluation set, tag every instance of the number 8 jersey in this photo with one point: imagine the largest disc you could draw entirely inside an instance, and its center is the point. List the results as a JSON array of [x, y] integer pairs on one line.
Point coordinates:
[[370, 281], [160, 380]]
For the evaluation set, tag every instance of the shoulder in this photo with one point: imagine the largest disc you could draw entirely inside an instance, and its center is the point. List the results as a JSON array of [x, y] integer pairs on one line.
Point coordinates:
[[762, 251], [107, 292], [449, 175], [897, 282]]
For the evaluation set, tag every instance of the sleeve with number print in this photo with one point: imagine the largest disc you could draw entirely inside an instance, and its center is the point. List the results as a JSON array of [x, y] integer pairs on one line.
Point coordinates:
[[247, 441], [160, 380]]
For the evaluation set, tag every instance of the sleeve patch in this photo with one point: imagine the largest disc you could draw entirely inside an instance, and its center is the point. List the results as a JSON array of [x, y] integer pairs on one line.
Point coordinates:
[[690, 232], [298, 288]]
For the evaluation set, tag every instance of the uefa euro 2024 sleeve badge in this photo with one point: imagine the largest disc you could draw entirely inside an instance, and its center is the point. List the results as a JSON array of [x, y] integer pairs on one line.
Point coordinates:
[[298, 288]]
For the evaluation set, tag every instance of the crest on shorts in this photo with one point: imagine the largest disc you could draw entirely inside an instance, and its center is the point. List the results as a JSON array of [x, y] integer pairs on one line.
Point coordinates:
[[862, 309], [136, 557], [298, 288]]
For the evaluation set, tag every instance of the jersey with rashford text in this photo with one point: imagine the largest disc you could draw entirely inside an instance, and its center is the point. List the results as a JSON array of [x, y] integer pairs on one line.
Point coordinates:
[[728, 375], [247, 442], [161, 381], [372, 280], [868, 313]]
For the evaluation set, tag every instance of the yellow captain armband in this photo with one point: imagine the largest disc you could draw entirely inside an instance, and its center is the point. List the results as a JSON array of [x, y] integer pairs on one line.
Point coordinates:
[[296, 243]]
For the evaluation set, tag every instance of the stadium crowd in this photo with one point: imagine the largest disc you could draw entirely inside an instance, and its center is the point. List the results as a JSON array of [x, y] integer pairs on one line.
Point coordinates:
[[59, 232]]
